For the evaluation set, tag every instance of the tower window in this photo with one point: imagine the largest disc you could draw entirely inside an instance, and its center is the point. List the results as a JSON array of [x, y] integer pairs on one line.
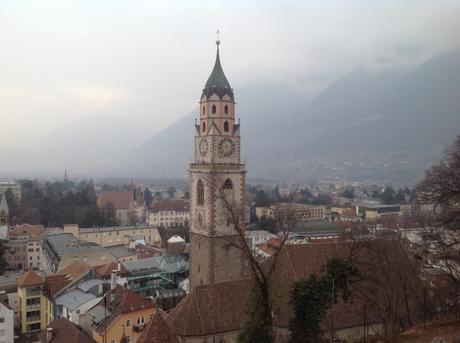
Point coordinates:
[[204, 127], [214, 109], [204, 110], [228, 184], [226, 109], [226, 126], [200, 193]]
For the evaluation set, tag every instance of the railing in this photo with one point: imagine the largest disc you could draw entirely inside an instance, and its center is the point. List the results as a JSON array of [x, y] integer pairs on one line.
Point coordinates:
[[33, 319], [33, 307], [33, 293]]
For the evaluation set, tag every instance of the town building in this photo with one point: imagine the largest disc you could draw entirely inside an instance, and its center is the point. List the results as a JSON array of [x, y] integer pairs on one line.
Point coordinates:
[[169, 213], [59, 250], [14, 187], [108, 236], [122, 203], [217, 176], [4, 211], [31, 315], [120, 316], [122, 253], [175, 245], [6, 320], [381, 211], [24, 247], [298, 212]]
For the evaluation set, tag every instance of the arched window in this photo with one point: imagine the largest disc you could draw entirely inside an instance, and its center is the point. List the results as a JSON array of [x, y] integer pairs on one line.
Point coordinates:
[[200, 193], [226, 126], [228, 184], [226, 109], [204, 127], [214, 109], [204, 110]]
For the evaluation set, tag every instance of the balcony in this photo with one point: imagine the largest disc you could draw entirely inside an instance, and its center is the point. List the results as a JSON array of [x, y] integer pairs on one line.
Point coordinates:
[[33, 293], [138, 327], [33, 307], [33, 319]]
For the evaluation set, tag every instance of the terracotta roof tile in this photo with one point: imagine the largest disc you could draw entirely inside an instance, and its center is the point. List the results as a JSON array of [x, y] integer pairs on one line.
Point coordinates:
[[157, 331], [106, 269], [29, 278], [119, 200], [55, 283], [75, 269], [64, 331]]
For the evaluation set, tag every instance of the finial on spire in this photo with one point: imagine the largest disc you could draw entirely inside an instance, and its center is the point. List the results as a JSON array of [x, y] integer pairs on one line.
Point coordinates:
[[217, 41]]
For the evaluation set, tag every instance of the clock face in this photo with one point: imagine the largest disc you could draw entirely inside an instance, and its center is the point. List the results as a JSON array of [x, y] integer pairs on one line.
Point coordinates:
[[203, 147], [226, 147]]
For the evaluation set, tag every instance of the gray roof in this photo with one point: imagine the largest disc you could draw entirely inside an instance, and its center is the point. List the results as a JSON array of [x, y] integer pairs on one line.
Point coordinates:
[[168, 264], [74, 298], [120, 251], [85, 286], [4, 205], [98, 313], [217, 82], [67, 244]]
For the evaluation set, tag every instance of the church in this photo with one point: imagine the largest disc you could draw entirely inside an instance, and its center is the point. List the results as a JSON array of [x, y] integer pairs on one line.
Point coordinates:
[[215, 309]]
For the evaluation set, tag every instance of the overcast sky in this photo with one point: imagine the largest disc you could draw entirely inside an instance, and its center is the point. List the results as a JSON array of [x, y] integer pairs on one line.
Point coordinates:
[[147, 61]]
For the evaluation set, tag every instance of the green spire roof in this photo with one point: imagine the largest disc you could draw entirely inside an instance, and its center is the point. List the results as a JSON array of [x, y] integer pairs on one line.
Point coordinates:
[[217, 82]]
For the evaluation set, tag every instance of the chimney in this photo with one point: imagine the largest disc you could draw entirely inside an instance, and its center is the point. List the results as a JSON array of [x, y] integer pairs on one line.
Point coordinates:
[[49, 334], [113, 280], [119, 267]]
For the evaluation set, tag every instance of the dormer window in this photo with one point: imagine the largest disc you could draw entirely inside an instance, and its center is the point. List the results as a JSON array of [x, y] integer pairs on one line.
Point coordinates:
[[226, 109], [214, 109]]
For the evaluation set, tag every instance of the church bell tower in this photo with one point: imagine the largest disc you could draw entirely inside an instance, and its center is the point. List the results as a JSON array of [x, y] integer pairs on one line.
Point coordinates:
[[216, 174]]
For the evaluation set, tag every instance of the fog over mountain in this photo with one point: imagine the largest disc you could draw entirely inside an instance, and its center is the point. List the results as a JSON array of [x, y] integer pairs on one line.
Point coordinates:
[[381, 125], [385, 125]]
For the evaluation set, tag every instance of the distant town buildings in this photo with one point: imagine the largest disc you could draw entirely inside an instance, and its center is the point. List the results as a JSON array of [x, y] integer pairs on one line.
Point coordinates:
[[122, 203], [169, 213], [298, 212], [14, 187]]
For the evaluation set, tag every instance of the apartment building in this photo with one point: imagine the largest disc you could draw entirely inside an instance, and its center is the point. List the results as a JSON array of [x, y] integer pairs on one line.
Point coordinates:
[[109, 236], [169, 213], [30, 301], [299, 212]]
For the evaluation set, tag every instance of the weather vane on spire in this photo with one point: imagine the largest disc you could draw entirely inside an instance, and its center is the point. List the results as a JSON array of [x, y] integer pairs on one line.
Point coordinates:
[[217, 34]]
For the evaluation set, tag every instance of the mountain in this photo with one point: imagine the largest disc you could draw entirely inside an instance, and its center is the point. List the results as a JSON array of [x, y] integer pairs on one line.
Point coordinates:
[[388, 126]]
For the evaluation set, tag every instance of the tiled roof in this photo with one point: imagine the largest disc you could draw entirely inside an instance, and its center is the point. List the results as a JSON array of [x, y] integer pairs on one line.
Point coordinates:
[[55, 283], [166, 205], [29, 278], [119, 200], [106, 269], [75, 269], [64, 331], [119, 301], [157, 331]]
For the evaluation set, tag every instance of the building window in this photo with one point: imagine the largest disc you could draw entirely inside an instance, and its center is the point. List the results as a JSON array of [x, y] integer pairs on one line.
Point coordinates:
[[2, 319], [226, 126], [128, 323], [204, 110], [128, 339], [227, 184], [200, 193], [204, 127], [226, 109], [214, 109]]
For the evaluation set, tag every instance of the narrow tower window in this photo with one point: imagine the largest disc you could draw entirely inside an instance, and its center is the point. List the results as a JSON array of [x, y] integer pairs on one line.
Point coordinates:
[[204, 127], [228, 184], [200, 193], [226, 126], [214, 109], [226, 109], [204, 110]]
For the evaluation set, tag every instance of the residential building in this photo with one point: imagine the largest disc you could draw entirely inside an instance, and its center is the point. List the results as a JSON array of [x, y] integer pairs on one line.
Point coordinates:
[[120, 316], [6, 320], [298, 212], [169, 213], [122, 203], [62, 330], [31, 314], [24, 244], [108, 236], [15, 188], [4, 211], [59, 250]]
